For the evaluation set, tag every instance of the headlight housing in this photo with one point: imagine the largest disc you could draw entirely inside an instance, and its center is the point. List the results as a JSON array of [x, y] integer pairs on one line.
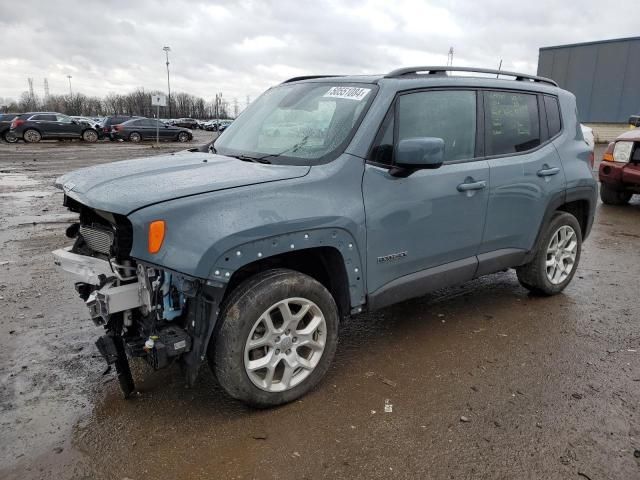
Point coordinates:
[[622, 151]]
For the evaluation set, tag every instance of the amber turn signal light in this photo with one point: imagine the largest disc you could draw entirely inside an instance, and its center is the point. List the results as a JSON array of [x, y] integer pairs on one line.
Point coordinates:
[[608, 153], [156, 235]]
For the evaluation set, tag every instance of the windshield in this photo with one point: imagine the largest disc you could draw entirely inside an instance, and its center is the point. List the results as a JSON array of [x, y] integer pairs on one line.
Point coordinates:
[[299, 124]]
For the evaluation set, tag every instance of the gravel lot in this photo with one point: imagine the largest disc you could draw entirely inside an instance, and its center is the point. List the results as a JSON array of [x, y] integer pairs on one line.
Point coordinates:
[[483, 380]]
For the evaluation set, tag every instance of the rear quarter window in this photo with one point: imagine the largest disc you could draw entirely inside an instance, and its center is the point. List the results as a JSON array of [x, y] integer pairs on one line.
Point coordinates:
[[554, 122]]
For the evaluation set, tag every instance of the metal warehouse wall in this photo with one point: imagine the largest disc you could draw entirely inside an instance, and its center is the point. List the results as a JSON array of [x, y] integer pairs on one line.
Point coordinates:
[[604, 77]]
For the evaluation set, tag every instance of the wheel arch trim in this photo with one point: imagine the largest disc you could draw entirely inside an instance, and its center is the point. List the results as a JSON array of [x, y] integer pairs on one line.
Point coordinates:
[[245, 254]]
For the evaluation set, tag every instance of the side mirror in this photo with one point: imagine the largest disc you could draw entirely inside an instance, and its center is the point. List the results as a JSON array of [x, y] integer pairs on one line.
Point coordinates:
[[634, 120], [418, 153], [74, 122]]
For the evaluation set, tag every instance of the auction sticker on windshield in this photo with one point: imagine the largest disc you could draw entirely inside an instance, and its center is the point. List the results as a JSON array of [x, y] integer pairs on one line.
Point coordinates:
[[351, 93]]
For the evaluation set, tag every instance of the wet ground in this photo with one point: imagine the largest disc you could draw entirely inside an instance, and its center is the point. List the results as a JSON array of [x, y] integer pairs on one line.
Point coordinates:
[[479, 381]]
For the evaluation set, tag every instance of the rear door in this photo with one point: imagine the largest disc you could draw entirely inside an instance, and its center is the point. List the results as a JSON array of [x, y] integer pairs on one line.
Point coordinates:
[[431, 218], [46, 123], [526, 172]]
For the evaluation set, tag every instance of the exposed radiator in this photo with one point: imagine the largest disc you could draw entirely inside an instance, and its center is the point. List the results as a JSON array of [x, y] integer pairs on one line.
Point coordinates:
[[97, 239]]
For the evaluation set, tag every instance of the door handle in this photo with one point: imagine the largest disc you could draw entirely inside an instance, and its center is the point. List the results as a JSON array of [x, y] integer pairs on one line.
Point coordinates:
[[467, 186], [547, 172]]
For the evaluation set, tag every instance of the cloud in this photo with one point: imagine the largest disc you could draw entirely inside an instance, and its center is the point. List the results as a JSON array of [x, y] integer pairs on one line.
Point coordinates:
[[241, 48]]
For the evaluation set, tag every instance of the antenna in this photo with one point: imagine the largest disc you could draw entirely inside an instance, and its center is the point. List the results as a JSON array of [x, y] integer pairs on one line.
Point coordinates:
[[450, 57], [499, 68]]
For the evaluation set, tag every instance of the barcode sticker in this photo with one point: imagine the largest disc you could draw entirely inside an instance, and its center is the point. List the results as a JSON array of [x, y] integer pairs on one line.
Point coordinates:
[[351, 93]]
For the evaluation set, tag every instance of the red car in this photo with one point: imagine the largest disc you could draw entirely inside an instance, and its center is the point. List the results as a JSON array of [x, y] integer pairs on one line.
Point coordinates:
[[619, 171]]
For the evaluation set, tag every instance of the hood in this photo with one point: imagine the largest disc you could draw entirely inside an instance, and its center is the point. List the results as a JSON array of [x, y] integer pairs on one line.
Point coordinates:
[[632, 135], [122, 187]]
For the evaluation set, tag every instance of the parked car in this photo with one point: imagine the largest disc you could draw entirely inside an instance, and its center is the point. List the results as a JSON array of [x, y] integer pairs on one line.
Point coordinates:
[[223, 125], [139, 129], [186, 123], [35, 126], [252, 255], [89, 121], [109, 122], [619, 171], [5, 127], [211, 126]]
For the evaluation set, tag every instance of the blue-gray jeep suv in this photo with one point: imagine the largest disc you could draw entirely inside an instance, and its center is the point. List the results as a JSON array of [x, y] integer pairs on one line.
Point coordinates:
[[328, 196]]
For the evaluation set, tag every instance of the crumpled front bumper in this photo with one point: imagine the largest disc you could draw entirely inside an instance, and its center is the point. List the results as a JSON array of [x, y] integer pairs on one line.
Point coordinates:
[[109, 297]]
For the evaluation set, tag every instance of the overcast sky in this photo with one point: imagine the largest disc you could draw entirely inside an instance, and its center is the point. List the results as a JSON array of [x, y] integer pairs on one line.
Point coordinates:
[[242, 47]]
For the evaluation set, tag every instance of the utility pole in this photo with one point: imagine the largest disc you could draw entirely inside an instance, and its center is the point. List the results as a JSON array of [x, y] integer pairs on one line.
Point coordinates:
[[167, 49], [70, 91], [450, 57], [218, 102]]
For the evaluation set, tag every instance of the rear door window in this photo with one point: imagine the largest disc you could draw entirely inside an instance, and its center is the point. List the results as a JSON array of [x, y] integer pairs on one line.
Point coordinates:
[[512, 122], [44, 118]]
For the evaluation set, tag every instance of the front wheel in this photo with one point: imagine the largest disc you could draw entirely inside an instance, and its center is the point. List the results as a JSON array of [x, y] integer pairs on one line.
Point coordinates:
[[183, 137], [557, 258], [90, 136], [278, 335], [611, 196], [9, 137]]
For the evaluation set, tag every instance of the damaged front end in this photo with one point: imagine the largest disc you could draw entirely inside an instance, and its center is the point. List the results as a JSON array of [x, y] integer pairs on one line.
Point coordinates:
[[149, 312]]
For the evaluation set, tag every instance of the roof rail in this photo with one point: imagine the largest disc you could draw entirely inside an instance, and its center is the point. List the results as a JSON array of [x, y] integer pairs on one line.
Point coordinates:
[[310, 77], [443, 70]]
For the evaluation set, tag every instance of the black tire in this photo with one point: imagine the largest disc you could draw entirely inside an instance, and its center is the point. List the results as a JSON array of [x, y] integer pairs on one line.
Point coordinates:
[[611, 196], [533, 276], [90, 136], [9, 137], [239, 314], [135, 137], [183, 137], [31, 135]]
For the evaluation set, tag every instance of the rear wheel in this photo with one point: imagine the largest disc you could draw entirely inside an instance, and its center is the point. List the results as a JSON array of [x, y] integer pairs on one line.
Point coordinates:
[[134, 137], [611, 196], [183, 137], [557, 257], [31, 136], [90, 136], [277, 337]]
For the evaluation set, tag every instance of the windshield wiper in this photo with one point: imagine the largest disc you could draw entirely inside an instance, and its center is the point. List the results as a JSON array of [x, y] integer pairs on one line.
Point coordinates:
[[263, 159], [247, 158]]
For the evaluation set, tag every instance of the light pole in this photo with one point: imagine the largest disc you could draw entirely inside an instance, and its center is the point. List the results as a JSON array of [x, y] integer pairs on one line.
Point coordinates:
[[70, 91], [167, 49]]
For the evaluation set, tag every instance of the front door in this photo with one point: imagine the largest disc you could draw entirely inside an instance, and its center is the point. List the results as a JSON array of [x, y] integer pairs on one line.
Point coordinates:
[[67, 127], [430, 218]]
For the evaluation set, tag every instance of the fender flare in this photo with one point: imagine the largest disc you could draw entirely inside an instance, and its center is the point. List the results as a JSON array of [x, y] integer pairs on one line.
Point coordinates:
[[244, 254], [552, 206]]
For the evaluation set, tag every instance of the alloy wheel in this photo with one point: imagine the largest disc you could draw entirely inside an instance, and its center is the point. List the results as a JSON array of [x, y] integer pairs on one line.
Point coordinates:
[[561, 254], [285, 344]]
